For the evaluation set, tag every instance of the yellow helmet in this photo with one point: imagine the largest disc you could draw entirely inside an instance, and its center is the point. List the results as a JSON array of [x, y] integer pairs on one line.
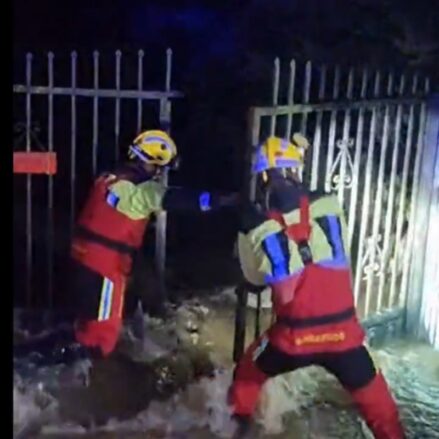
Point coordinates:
[[154, 147], [277, 153]]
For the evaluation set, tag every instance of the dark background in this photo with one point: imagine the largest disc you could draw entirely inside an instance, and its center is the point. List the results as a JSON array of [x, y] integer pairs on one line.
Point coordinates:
[[224, 51], [223, 54]]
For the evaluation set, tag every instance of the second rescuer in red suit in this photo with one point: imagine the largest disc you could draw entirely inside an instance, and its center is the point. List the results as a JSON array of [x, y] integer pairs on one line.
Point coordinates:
[[294, 241]]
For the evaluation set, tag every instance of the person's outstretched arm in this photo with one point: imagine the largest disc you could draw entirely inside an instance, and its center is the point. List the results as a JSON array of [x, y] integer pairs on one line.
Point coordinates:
[[141, 200]]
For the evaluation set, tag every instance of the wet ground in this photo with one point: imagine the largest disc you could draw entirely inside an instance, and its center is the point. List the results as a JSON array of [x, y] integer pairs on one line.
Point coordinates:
[[173, 385]]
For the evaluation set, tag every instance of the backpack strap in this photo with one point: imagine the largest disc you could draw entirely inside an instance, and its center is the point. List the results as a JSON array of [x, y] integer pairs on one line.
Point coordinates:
[[299, 232]]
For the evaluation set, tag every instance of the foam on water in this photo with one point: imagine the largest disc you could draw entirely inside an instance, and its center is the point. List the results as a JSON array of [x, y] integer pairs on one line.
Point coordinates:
[[308, 403]]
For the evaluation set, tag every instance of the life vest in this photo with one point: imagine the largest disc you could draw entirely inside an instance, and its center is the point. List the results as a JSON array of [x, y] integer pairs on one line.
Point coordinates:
[[315, 308], [105, 239]]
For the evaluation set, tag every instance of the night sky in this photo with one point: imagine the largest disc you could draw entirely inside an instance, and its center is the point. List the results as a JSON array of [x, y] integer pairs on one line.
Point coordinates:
[[223, 51]]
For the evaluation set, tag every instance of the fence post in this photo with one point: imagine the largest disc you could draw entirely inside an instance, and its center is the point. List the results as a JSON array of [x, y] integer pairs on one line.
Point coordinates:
[[161, 220], [421, 254]]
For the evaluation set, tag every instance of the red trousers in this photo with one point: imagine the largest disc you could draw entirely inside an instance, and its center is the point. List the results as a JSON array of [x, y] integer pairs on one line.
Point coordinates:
[[354, 369], [99, 303]]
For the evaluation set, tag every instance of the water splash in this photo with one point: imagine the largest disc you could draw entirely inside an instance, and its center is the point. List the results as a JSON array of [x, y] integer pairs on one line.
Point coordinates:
[[308, 403]]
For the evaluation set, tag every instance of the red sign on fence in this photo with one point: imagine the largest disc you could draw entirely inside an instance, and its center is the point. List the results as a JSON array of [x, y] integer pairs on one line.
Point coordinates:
[[35, 163]]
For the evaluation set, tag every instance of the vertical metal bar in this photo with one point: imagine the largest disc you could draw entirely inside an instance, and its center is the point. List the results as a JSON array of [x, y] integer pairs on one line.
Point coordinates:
[[391, 195], [376, 238], [29, 266], [332, 131], [366, 196], [414, 197], [258, 316], [255, 124], [73, 60], [240, 322], [165, 121], [50, 224], [304, 118], [140, 56], [423, 298], [408, 245], [357, 159], [117, 107], [344, 151], [402, 199], [95, 112], [275, 97], [168, 69], [318, 132], [291, 88], [306, 91]]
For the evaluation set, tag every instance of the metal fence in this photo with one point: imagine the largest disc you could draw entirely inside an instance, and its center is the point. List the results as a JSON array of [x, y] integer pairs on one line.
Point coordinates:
[[366, 129], [423, 298], [87, 122]]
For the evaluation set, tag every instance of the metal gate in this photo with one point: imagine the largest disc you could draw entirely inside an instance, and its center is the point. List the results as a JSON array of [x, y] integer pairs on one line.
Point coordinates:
[[423, 298], [366, 129], [87, 120]]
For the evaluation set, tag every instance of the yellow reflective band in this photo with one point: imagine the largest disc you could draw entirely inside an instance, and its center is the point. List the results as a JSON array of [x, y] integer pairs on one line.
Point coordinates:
[[334, 337]]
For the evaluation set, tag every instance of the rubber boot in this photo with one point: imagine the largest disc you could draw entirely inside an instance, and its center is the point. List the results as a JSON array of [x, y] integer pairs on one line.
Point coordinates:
[[379, 409], [244, 424]]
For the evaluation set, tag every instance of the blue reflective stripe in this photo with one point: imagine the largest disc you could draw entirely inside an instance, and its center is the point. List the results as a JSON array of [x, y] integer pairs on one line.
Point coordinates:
[[204, 201], [333, 263], [112, 199], [109, 299], [106, 300], [279, 261], [336, 240]]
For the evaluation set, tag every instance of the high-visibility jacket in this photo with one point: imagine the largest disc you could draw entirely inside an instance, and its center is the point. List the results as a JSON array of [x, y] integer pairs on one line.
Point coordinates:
[[300, 249]]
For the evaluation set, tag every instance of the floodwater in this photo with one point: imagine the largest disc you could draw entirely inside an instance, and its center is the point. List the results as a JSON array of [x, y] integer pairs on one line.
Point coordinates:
[[173, 384]]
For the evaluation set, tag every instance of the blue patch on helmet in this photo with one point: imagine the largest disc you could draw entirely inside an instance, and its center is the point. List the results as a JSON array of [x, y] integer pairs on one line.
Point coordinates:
[[261, 163], [284, 144], [155, 139], [286, 163]]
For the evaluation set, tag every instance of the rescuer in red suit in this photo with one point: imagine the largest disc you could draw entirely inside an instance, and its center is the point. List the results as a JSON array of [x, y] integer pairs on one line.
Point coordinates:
[[109, 231], [294, 240]]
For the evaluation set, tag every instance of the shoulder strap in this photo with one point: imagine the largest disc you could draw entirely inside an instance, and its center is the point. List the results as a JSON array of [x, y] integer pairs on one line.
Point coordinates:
[[299, 232]]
